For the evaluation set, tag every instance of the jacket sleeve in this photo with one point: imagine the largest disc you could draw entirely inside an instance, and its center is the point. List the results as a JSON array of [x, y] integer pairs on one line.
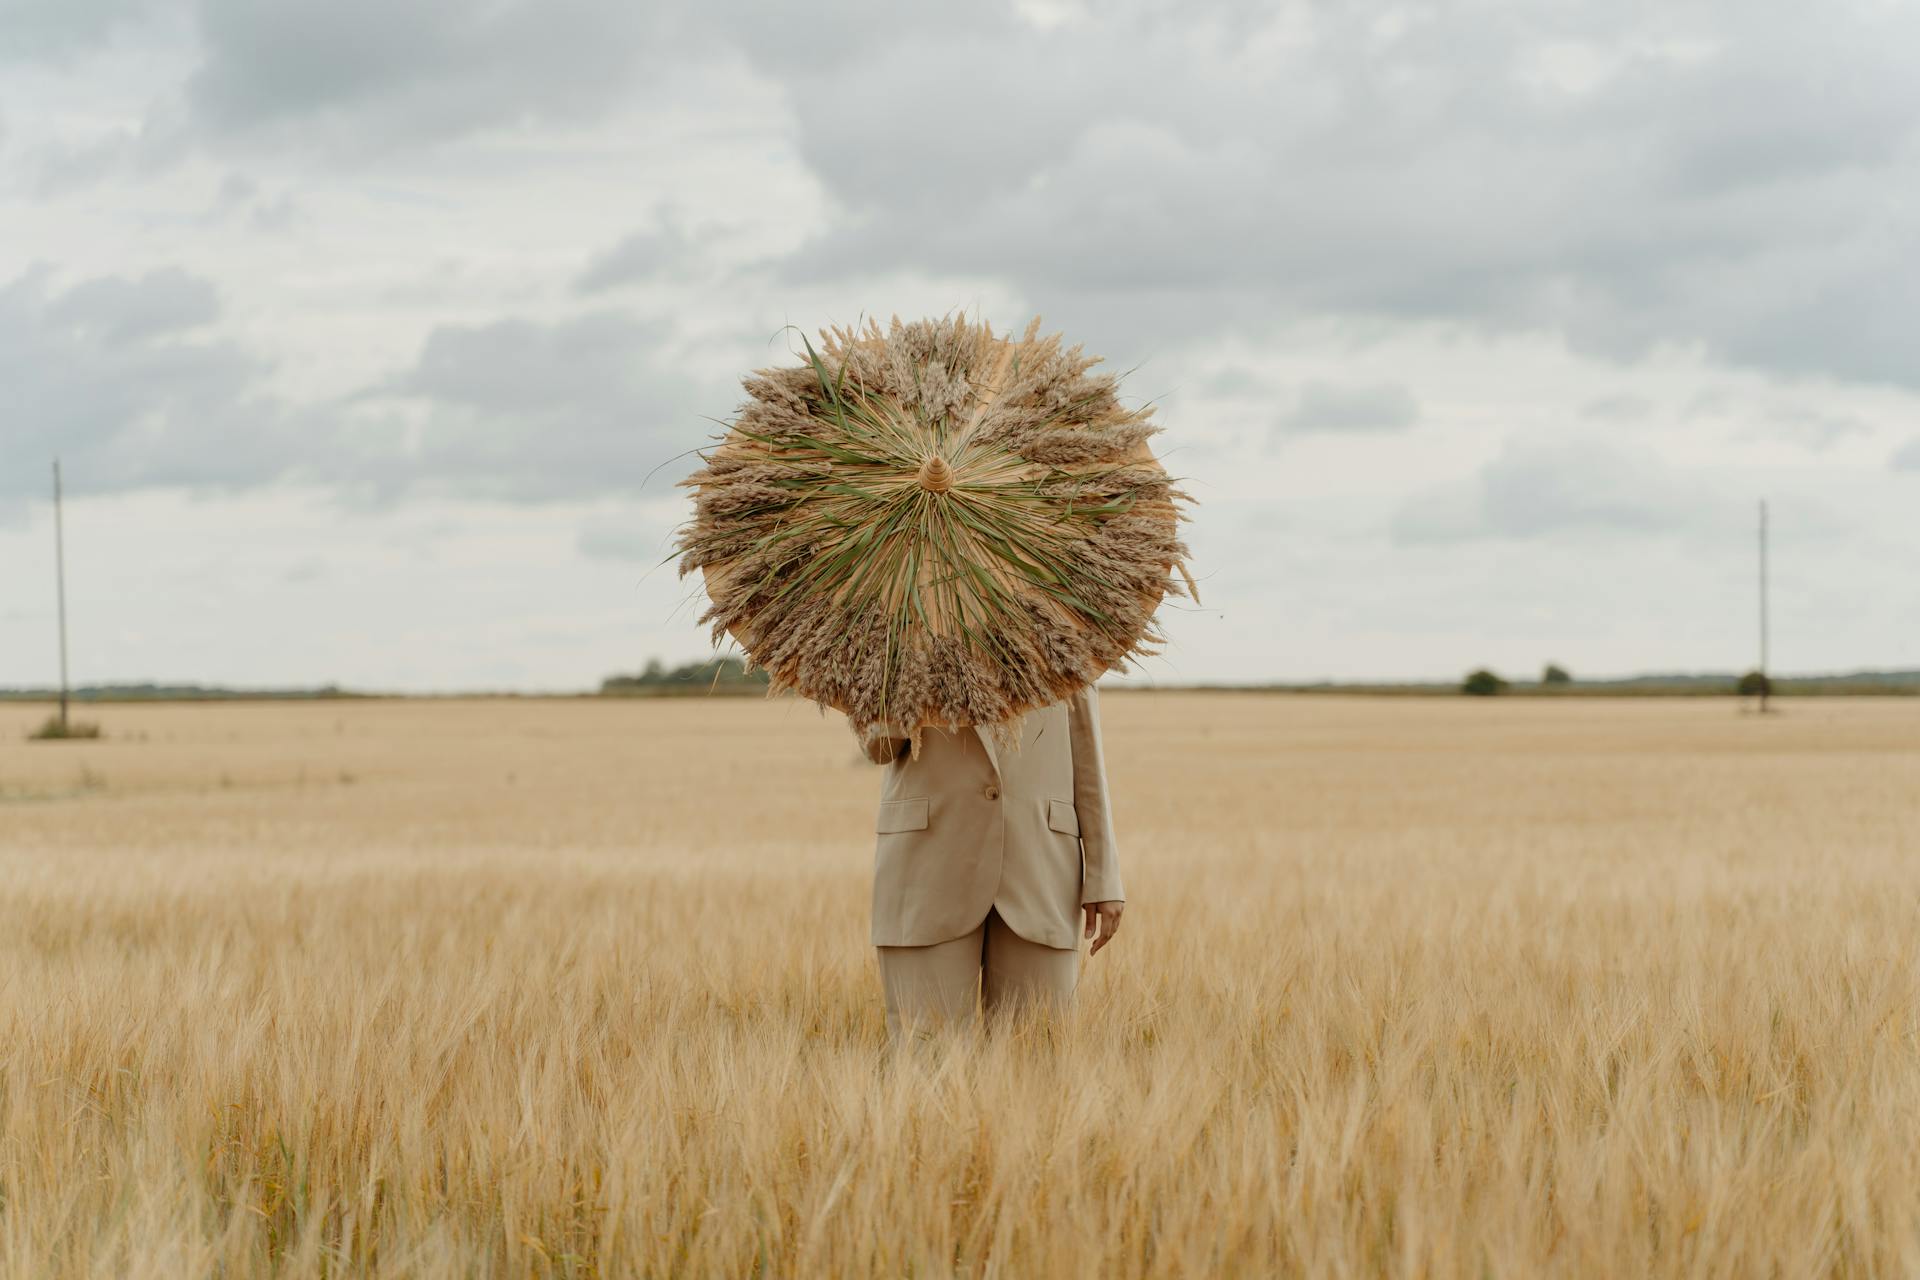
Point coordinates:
[[1102, 881]]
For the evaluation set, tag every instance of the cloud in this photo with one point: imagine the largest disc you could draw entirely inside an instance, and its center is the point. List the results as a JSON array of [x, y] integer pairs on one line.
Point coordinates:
[[106, 375], [1329, 406], [241, 195], [158, 143], [638, 257], [529, 411], [305, 570], [1582, 485], [369, 75], [481, 208], [1726, 178], [1811, 428], [123, 378], [56, 30], [116, 310], [628, 537], [1774, 415], [1730, 182], [1236, 382], [1618, 408]]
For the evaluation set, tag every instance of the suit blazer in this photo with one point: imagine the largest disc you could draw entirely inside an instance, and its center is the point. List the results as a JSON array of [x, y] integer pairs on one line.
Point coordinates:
[[965, 828]]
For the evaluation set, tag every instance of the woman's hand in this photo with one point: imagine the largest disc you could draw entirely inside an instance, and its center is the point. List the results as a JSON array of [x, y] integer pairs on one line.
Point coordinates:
[[879, 742], [1107, 915]]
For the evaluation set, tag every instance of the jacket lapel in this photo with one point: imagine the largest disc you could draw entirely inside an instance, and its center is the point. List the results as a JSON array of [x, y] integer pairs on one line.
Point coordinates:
[[993, 757]]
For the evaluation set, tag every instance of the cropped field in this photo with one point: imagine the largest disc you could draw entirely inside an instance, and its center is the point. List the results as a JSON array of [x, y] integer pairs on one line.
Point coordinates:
[[1443, 987]]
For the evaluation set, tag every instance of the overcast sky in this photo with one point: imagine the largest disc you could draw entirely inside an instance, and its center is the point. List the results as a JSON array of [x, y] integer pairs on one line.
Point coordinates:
[[373, 334]]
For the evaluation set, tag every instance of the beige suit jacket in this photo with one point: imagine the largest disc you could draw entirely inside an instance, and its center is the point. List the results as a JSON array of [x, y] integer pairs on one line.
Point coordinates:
[[965, 828]]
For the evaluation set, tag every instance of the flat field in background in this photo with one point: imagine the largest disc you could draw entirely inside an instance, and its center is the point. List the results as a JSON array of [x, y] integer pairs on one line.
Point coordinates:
[[1406, 987]]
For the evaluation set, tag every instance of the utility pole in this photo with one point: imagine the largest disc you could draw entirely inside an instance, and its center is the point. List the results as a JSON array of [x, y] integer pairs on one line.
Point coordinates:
[[60, 579], [1764, 678]]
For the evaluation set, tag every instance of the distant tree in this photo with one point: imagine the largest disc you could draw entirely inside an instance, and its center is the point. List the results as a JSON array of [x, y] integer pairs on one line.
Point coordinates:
[[1483, 683], [1754, 684], [1555, 674], [691, 677]]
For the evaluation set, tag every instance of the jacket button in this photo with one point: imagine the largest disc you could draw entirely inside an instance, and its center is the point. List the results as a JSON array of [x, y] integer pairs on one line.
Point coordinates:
[[993, 792]]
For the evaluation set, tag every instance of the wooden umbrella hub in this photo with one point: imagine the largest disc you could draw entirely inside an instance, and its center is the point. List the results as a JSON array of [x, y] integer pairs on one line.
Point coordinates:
[[936, 475]]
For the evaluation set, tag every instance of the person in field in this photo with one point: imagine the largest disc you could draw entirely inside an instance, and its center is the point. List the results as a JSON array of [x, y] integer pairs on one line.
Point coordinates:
[[991, 866]]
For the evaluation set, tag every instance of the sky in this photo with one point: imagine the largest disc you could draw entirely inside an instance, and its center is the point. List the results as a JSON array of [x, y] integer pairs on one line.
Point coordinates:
[[372, 335]]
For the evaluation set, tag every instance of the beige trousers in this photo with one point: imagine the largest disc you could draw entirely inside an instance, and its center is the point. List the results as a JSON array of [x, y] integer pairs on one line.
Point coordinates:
[[926, 987]]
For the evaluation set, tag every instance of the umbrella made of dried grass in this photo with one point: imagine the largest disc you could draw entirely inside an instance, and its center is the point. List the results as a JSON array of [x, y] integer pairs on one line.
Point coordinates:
[[935, 526]]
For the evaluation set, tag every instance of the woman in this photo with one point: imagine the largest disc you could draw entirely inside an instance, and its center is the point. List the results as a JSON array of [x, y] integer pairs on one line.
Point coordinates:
[[991, 865]]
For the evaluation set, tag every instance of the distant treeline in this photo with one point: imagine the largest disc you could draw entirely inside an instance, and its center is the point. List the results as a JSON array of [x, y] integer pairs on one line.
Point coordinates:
[[716, 675], [727, 675], [1690, 685], [176, 693]]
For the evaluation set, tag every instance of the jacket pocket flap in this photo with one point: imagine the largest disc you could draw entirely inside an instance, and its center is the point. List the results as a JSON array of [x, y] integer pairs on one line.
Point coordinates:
[[1062, 816], [902, 815]]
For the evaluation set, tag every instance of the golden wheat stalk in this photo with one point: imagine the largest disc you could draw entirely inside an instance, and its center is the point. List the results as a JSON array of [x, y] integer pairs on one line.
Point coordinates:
[[935, 525]]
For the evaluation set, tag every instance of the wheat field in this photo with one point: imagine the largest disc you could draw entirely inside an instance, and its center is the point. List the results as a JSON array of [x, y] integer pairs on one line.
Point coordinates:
[[1406, 987]]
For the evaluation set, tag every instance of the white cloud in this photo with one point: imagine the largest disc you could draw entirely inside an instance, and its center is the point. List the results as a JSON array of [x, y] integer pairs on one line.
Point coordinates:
[[1330, 406], [1812, 428], [520, 410], [500, 264], [114, 310], [1747, 201], [639, 257], [58, 30], [116, 375], [1579, 485], [366, 76]]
